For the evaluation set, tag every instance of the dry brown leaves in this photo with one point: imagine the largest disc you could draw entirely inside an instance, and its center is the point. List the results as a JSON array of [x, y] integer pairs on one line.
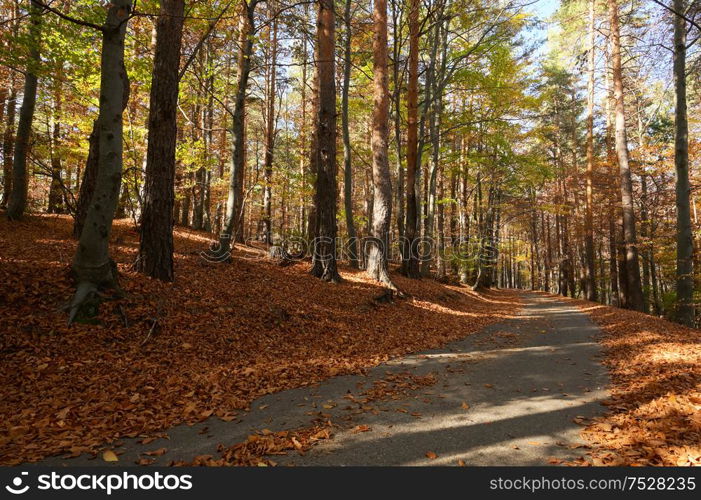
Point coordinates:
[[223, 336], [259, 447], [654, 415], [396, 386]]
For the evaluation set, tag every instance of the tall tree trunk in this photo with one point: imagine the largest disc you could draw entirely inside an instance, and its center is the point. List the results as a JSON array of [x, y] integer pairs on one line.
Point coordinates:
[[410, 262], [345, 128], [303, 137], [435, 137], [155, 257], [8, 143], [634, 288], [440, 223], [199, 185], [312, 229], [3, 102], [92, 265], [685, 271], [590, 268], [270, 129], [645, 236], [87, 184], [397, 78], [233, 218], [56, 187], [378, 248], [324, 255], [17, 202]]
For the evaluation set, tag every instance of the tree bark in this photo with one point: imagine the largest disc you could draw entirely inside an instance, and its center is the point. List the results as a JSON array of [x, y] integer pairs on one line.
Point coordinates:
[[397, 78], [17, 203], [92, 265], [233, 218], [410, 262], [55, 189], [590, 267], [345, 128], [378, 248], [685, 270], [87, 184], [155, 257], [634, 288], [8, 144], [270, 130], [324, 148]]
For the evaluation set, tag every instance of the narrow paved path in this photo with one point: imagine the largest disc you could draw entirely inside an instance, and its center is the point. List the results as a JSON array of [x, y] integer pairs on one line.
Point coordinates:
[[508, 395]]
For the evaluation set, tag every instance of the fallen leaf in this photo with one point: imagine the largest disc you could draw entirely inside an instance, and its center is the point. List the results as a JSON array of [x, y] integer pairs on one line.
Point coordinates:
[[156, 453]]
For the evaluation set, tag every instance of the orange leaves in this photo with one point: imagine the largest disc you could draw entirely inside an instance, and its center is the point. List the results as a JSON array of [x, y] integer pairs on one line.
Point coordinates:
[[397, 385], [431, 455], [214, 350], [361, 428], [257, 449], [655, 369], [156, 453]]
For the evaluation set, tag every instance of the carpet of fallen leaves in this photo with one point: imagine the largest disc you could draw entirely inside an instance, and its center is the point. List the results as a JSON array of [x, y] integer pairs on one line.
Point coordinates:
[[654, 414], [208, 344]]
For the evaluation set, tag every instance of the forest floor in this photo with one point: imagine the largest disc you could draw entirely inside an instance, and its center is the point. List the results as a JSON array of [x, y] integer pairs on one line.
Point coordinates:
[[653, 415], [207, 345], [252, 363]]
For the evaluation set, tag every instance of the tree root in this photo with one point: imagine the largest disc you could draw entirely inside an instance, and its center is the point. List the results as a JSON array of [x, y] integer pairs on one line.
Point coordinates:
[[326, 272], [85, 305]]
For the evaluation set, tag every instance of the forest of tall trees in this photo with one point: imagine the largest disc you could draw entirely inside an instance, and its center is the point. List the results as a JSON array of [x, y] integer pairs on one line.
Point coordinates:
[[441, 139]]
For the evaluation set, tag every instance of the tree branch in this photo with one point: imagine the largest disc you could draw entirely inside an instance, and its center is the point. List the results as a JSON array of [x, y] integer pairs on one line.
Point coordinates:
[[673, 11], [69, 18]]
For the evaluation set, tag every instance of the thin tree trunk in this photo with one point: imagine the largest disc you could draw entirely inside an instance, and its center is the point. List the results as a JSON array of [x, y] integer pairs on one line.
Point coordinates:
[[397, 99], [17, 203], [347, 164], [410, 262], [8, 143], [645, 243], [155, 257], [55, 189], [270, 130], [435, 137], [590, 268], [440, 222], [233, 218], [303, 137]]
